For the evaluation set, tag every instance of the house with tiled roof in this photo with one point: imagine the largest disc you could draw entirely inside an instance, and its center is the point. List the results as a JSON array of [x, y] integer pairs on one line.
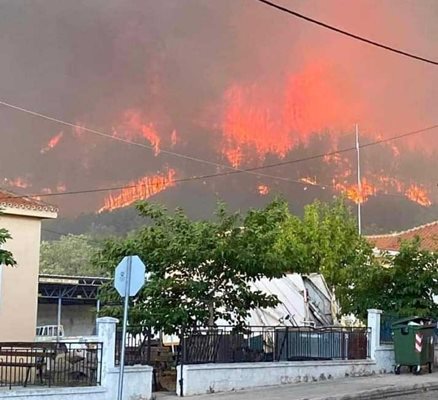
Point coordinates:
[[427, 233], [22, 217]]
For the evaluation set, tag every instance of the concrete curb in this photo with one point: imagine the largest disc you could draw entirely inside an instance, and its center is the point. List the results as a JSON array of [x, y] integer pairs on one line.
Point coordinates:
[[384, 393]]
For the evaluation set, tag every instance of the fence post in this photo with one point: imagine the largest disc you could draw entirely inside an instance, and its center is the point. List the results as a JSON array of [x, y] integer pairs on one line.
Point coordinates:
[[106, 331], [374, 326]]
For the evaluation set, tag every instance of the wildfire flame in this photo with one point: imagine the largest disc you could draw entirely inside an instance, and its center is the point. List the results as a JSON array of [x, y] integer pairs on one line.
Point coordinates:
[[269, 121], [356, 194], [260, 119], [133, 126], [19, 182], [61, 187], [309, 180], [142, 189], [419, 195], [384, 184], [174, 138], [263, 190], [374, 183], [52, 143]]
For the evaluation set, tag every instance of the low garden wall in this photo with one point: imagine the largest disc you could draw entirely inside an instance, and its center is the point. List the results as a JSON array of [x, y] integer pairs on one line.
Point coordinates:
[[137, 379], [210, 378]]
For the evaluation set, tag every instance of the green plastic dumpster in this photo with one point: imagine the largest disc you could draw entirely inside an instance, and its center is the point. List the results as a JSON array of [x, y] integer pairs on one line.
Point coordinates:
[[413, 343]]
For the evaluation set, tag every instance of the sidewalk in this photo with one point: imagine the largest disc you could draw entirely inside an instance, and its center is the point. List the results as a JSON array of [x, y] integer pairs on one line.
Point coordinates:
[[374, 387]]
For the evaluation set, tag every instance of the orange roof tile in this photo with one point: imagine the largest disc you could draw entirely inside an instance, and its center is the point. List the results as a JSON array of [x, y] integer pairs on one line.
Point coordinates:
[[427, 233], [14, 200]]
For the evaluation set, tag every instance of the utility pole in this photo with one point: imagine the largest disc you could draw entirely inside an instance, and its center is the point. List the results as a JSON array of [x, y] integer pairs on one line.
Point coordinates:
[[359, 183]]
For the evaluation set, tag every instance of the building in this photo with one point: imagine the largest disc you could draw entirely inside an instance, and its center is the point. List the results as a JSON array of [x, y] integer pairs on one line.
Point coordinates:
[[428, 234], [22, 217], [69, 301]]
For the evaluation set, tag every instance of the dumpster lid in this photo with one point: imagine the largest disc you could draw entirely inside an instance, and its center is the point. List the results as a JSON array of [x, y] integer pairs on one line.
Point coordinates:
[[413, 321]]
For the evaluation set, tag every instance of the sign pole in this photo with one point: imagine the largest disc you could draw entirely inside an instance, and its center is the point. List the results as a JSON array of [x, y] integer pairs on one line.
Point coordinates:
[[125, 321]]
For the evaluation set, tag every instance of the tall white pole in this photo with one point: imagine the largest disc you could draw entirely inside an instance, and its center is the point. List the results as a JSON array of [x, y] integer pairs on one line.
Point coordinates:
[[125, 322], [359, 183]]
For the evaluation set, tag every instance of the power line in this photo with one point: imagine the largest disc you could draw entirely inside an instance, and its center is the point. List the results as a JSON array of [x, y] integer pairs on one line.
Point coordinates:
[[250, 170], [127, 141], [346, 33], [233, 170], [345, 150], [322, 186]]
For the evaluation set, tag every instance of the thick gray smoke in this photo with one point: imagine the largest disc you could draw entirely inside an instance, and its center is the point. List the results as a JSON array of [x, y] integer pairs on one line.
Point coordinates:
[[90, 61]]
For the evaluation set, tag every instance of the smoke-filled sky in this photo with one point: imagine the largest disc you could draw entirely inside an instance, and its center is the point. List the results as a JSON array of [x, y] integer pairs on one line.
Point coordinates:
[[231, 81]]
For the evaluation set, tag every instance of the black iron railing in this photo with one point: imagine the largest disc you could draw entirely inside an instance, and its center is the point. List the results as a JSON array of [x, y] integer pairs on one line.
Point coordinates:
[[263, 344], [386, 321], [64, 364], [227, 344], [142, 346]]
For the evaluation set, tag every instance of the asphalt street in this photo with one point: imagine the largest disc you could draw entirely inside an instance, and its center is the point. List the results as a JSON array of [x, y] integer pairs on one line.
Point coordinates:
[[420, 396]]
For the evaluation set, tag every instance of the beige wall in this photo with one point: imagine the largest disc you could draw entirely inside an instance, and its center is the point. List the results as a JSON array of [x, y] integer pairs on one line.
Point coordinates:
[[19, 284]]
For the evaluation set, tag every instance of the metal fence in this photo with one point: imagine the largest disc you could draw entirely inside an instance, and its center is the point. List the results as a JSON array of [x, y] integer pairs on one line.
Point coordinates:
[[66, 364], [386, 321], [263, 344], [141, 346]]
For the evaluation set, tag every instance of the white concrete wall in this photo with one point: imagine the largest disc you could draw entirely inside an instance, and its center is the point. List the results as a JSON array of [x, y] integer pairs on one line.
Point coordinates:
[[210, 378], [137, 386], [436, 354], [385, 358], [137, 379], [137, 383], [88, 393]]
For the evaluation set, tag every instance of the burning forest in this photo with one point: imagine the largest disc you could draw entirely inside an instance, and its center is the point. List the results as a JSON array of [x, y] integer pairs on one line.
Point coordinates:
[[165, 91]]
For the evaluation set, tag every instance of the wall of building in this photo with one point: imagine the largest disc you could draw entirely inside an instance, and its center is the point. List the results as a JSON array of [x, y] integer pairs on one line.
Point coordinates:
[[77, 320], [211, 378], [19, 285]]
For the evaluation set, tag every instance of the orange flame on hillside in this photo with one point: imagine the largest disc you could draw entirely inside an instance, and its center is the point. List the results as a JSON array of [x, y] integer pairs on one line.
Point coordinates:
[[386, 185], [134, 126], [52, 143], [263, 190], [309, 180], [142, 189], [19, 182], [261, 120], [174, 138], [419, 195], [356, 194]]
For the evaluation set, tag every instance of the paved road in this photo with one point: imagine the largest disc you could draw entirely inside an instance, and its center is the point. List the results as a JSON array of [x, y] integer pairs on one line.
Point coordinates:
[[375, 385], [421, 396]]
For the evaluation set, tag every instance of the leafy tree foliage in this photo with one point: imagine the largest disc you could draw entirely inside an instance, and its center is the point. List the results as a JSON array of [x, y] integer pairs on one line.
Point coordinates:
[[326, 241], [70, 255], [200, 271], [404, 284], [6, 257]]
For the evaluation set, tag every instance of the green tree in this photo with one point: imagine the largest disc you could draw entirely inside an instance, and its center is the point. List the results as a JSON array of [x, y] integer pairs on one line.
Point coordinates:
[[326, 241], [404, 284], [70, 255], [6, 257], [200, 271]]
